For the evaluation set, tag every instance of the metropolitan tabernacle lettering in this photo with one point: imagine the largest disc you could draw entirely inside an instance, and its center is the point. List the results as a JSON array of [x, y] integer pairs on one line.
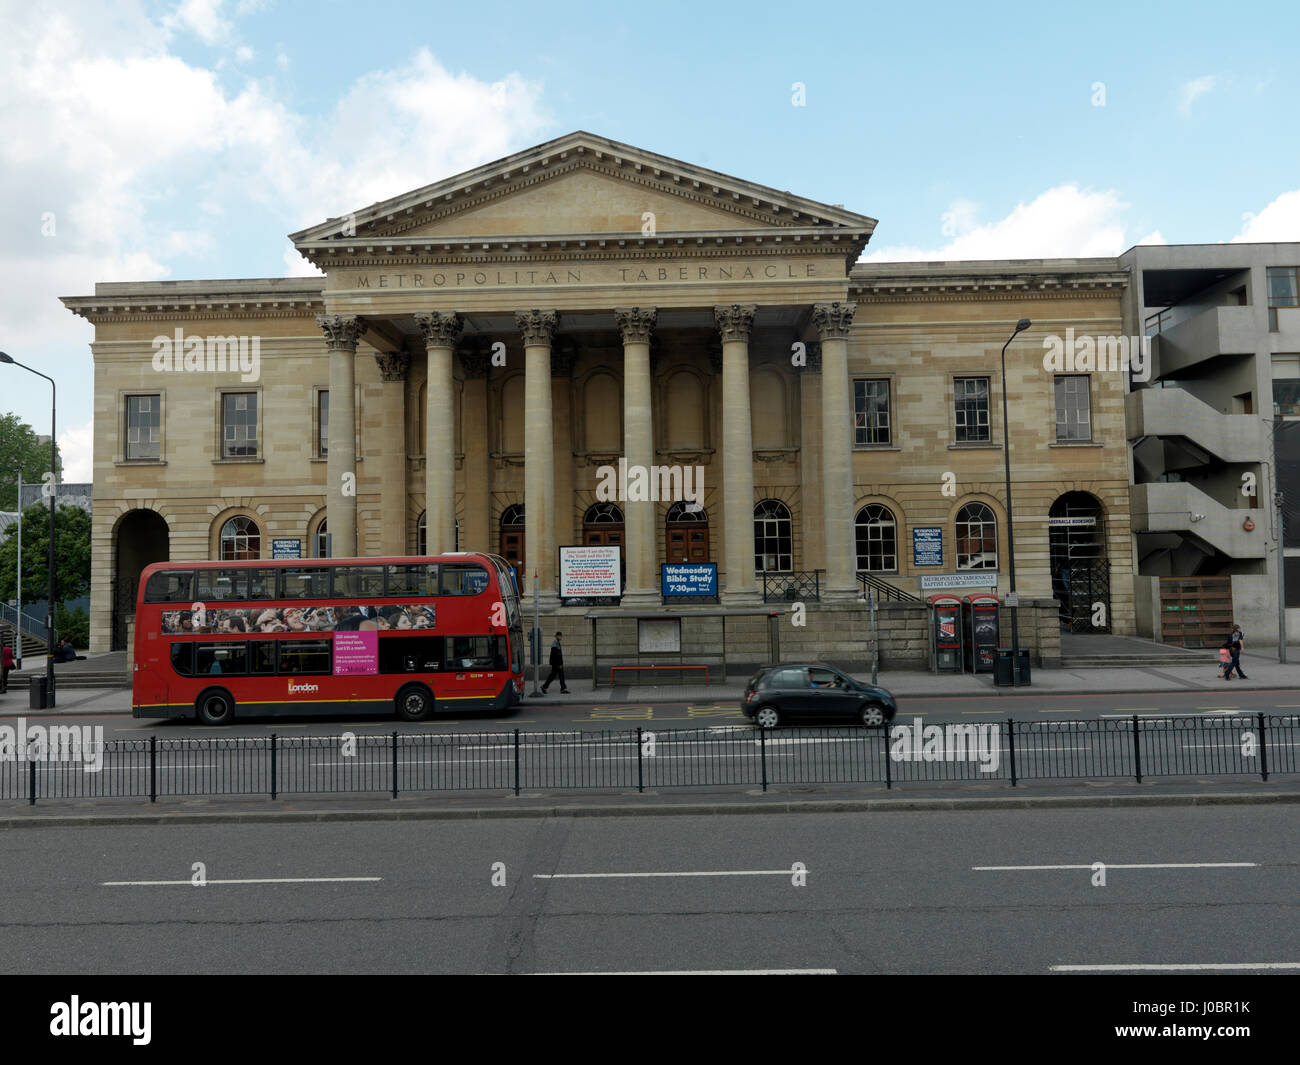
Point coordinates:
[[599, 274]]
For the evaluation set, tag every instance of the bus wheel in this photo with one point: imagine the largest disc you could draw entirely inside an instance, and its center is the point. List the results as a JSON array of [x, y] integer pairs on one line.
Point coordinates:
[[414, 704], [215, 708]]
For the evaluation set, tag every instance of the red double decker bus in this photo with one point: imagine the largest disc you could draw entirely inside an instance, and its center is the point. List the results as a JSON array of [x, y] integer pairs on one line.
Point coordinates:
[[410, 636]]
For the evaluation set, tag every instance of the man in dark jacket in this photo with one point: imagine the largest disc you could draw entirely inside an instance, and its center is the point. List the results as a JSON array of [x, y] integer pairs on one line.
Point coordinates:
[[557, 667], [1236, 644]]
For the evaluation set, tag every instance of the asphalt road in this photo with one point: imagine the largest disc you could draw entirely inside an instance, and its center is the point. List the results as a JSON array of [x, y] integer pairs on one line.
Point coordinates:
[[897, 892]]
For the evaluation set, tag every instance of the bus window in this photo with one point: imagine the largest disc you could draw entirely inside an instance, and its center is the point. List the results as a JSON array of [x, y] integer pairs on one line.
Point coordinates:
[[472, 652], [262, 657], [261, 584], [215, 585], [304, 582], [413, 580], [225, 658], [304, 656], [183, 659], [410, 654], [461, 579], [359, 582], [170, 586]]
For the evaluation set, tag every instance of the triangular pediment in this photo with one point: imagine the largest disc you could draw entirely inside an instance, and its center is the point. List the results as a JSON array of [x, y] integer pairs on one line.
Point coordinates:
[[581, 185]]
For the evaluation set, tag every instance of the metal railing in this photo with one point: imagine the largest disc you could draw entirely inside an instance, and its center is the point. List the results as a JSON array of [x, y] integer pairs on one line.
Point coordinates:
[[1251, 745], [799, 586], [885, 590], [25, 623]]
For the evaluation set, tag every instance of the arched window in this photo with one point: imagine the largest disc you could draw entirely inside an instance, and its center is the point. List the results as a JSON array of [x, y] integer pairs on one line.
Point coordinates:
[[240, 539], [877, 539], [602, 524], [977, 537], [321, 545], [512, 534], [773, 537], [686, 538]]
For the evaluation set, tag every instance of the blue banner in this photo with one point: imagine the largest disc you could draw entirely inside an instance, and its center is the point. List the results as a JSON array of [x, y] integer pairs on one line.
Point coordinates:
[[286, 549], [689, 578]]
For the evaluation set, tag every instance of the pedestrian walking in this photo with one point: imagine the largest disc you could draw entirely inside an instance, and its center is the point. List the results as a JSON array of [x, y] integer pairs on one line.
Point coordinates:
[[1237, 644], [6, 664], [1225, 656], [557, 666]]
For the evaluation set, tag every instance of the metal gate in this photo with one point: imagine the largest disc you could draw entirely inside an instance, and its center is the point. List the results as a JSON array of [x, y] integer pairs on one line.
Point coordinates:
[[1083, 587], [124, 589]]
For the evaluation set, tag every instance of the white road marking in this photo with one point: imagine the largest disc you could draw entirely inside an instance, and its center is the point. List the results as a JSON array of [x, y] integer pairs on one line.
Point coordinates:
[[707, 972], [1203, 966], [625, 876], [1116, 865], [263, 880]]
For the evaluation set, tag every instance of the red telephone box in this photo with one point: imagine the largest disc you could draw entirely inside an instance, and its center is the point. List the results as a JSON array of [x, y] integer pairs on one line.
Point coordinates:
[[947, 633], [981, 612]]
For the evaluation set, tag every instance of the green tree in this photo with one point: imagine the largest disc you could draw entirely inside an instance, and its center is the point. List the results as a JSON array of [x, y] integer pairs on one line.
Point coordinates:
[[71, 554], [21, 451]]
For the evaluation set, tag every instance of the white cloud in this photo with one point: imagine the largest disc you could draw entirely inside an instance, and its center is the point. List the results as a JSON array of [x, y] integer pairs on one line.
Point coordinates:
[[76, 450], [296, 266], [201, 18], [1063, 222], [1193, 90], [243, 54], [1279, 221]]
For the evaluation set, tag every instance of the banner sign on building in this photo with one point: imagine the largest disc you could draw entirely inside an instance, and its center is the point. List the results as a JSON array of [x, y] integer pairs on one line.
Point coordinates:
[[286, 549], [590, 572], [927, 546], [689, 578], [1071, 523], [984, 578]]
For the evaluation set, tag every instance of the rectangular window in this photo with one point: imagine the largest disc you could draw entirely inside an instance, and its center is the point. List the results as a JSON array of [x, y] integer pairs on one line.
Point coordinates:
[[304, 656], [239, 425], [223, 658], [971, 409], [1283, 291], [419, 581], [262, 656], [475, 652], [1073, 407], [410, 654], [359, 582], [170, 587], [305, 582], [221, 584], [871, 412], [463, 579], [323, 423], [143, 428]]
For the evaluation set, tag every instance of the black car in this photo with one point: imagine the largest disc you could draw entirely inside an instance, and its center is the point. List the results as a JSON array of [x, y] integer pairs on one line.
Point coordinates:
[[778, 695]]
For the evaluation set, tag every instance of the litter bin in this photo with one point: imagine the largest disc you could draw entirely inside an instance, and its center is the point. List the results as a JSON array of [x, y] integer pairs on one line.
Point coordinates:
[[1002, 668], [37, 698]]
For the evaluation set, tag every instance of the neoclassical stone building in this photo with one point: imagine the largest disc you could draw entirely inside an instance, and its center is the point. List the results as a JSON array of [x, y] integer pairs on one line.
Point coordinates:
[[479, 348]]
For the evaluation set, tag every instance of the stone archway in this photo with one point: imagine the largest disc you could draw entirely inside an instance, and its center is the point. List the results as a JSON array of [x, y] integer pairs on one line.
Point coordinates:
[[1076, 536], [141, 537]]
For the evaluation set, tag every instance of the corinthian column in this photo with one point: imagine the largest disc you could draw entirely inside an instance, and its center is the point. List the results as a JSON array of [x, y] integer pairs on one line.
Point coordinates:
[[636, 324], [833, 321], [341, 334], [388, 440], [734, 323], [441, 331], [538, 328]]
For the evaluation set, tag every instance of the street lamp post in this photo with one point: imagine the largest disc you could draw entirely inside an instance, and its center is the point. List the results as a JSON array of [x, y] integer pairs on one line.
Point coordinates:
[[1021, 326], [49, 615]]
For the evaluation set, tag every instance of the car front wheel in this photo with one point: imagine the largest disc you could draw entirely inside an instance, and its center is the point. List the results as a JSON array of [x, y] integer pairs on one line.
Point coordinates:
[[767, 717], [872, 715]]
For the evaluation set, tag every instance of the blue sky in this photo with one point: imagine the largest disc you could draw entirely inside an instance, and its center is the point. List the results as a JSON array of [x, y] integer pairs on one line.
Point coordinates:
[[144, 141]]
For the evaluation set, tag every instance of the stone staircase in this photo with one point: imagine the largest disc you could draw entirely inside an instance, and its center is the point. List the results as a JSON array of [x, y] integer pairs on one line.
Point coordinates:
[[33, 646], [1127, 652]]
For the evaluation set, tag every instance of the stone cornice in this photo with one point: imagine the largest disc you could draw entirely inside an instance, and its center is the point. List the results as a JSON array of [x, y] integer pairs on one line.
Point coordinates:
[[160, 306], [584, 246], [940, 285]]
